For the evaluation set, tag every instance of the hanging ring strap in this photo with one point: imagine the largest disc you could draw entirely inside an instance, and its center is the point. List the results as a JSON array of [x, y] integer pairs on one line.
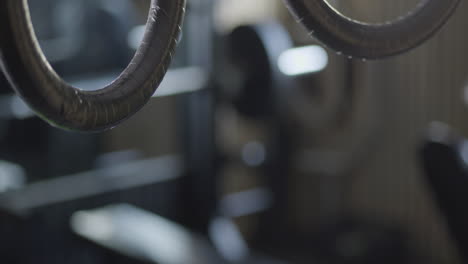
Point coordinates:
[[371, 41], [62, 105]]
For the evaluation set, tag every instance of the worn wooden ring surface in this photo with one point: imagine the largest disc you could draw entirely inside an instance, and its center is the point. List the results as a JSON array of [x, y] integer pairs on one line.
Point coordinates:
[[62, 105], [371, 41]]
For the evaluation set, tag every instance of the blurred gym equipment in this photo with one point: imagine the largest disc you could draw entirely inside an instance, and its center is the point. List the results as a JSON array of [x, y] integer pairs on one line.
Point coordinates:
[[260, 145], [444, 156]]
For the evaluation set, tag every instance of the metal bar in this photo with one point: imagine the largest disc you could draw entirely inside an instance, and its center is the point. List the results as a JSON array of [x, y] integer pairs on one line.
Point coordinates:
[[177, 81], [83, 185]]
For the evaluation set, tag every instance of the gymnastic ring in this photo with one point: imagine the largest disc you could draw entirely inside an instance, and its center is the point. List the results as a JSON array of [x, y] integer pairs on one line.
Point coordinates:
[[371, 41], [67, 107]]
